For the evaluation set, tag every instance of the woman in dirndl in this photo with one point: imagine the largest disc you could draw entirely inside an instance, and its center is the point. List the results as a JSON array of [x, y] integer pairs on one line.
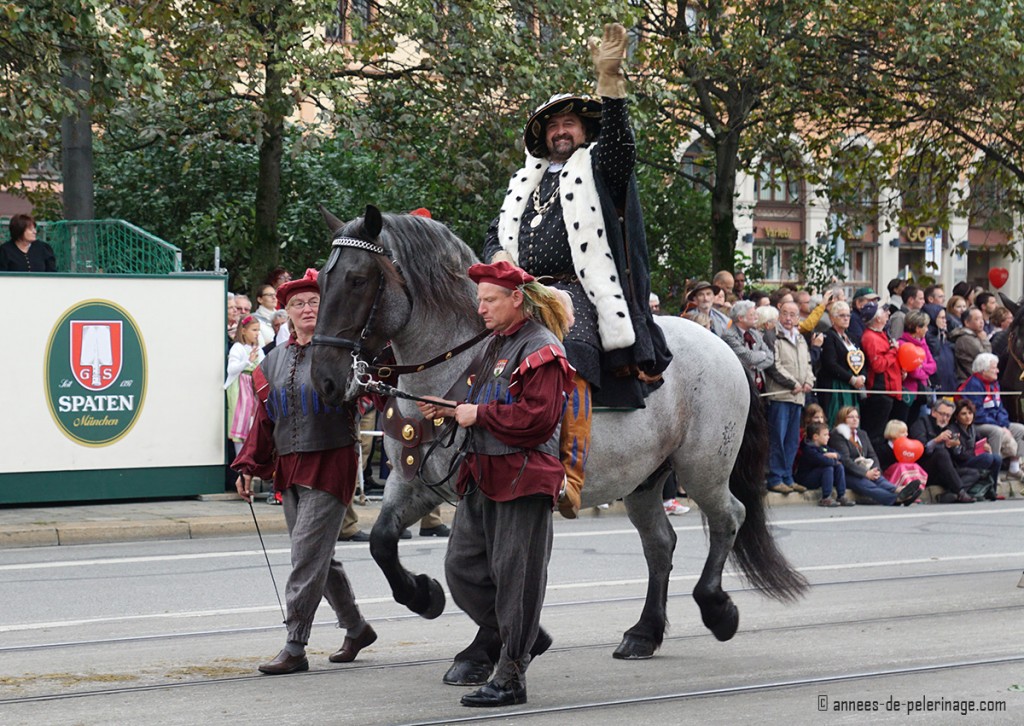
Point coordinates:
[[243, 358], [842, 363]]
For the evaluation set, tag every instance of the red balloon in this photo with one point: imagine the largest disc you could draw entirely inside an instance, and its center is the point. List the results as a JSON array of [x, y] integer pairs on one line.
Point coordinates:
[[910, 356], [907, 450], [998, 276]]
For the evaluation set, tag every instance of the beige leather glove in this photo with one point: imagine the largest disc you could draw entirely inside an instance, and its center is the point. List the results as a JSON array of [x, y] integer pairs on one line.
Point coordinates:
[[502, 255], [608, 54]]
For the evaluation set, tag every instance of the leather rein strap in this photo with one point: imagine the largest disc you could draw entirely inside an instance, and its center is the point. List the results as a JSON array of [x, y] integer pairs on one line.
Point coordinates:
[[386, 371]]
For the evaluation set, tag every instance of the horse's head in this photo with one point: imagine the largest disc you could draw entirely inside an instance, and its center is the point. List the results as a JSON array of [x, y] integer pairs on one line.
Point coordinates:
[[362, 304]]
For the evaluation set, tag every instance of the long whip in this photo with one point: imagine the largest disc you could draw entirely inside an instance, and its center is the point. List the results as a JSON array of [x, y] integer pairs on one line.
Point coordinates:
[[284, 618]]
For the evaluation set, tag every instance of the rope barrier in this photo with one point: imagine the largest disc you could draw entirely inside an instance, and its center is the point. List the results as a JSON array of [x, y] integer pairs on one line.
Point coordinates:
[[940, 394]]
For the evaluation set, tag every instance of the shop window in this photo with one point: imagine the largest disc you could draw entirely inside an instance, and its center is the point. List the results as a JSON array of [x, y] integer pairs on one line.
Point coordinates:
[[776, 261], [990, 200], [351, 15], [774, 184]]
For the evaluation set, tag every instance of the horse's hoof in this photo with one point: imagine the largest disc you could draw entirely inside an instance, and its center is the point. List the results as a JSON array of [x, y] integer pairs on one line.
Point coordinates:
[[634, 648], [468, 673], [724, 621], [429, 599]]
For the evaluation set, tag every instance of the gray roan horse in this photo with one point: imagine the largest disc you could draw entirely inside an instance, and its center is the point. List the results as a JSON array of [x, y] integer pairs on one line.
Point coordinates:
[[410, 287]]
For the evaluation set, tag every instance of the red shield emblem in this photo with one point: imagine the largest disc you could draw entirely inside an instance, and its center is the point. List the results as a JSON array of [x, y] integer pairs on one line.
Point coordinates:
[[96, 352]]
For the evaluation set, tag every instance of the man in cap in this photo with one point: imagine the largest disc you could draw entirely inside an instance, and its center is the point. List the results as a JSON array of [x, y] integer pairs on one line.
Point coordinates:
[[309, 450], [509, 482], [572, 214], [865, 304], [702, 297]]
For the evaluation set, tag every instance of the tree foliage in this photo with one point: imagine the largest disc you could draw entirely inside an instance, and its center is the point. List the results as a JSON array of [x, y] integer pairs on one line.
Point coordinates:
[[35, 38]]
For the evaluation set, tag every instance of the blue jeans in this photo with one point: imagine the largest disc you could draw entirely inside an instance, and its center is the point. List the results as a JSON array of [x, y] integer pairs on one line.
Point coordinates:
[[783, 439], [881, 490], [825, 477]]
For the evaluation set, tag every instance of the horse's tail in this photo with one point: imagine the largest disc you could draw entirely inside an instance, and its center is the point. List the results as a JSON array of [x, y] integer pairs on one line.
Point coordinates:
[[755, 550]]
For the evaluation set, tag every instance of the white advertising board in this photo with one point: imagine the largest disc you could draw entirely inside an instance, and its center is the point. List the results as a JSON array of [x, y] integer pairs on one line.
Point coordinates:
[[111, 372]]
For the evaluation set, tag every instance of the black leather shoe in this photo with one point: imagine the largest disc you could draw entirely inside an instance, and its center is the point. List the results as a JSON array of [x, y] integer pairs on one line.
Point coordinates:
[[359, 536], [908, 494], [492, 695], [285, 663], [468, 673], [964, 498], [440, 530], [351, 647]]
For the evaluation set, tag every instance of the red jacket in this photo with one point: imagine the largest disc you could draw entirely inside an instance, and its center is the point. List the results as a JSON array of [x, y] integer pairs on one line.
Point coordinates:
[[882, 361]]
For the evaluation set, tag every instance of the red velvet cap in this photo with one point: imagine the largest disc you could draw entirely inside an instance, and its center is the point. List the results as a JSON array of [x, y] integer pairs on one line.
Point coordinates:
[[503, 274], [306, 283]]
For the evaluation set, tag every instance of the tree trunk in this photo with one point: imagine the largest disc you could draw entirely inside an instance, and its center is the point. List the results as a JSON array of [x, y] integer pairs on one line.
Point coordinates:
[[266, 248], [76, 140], [723, 198]]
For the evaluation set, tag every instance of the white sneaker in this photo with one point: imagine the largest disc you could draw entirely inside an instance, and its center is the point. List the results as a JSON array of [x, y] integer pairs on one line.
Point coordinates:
[[672, 506]]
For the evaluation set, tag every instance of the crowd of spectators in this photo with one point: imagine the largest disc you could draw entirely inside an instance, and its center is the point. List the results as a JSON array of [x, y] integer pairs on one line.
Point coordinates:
[[878, 398]]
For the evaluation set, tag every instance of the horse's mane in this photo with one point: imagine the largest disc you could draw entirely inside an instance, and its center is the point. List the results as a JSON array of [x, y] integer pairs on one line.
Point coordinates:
[[433, 262]]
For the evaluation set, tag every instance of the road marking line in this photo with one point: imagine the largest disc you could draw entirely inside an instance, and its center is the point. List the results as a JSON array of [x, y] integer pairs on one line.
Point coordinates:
[[550, 588], [430, 542]]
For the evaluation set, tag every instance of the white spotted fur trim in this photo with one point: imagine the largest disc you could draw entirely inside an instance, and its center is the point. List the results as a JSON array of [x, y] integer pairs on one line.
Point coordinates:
[[588, 240]]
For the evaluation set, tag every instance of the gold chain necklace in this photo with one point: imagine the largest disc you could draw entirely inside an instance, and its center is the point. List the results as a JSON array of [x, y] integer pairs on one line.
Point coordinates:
[[542, 209]]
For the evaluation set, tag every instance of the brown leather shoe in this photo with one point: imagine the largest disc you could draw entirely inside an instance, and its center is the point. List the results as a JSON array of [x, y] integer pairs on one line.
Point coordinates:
[[285, 663], [351, 647]]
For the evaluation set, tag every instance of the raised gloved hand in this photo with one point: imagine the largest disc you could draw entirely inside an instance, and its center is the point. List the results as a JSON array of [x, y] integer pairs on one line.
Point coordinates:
[[608, 54]]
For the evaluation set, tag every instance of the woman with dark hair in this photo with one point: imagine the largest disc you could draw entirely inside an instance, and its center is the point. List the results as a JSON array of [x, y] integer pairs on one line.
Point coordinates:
[[973, 452], [24, 253]]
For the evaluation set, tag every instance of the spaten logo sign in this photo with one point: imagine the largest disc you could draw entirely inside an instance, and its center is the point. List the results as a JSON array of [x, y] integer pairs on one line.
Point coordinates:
[[95, 373]]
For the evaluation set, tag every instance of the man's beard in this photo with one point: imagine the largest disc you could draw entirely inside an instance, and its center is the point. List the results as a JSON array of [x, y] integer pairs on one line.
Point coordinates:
[[562, 148]]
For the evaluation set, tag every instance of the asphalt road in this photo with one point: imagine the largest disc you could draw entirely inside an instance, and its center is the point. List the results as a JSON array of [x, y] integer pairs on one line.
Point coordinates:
[[912, 609]]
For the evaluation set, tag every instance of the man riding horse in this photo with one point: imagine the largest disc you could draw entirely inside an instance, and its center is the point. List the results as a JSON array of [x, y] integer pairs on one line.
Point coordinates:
[[572, 218]]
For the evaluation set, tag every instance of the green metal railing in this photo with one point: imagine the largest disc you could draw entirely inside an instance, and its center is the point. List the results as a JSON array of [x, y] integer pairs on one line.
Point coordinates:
[[107, 246]]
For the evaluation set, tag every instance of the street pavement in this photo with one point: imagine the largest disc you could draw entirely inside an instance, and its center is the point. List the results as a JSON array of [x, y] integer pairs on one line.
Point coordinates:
[[218, 515], [908, 606]]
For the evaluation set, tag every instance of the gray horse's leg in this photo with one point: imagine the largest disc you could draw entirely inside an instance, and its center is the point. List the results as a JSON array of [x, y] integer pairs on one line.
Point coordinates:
[[724, 515], [658, 538], [405, 503]]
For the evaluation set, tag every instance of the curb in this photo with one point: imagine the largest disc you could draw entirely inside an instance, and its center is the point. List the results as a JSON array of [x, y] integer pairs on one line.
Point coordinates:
[[271, 521]]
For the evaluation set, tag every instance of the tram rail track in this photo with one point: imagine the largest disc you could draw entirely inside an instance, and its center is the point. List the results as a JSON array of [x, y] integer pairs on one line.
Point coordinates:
[[524, 714], [455, 613]]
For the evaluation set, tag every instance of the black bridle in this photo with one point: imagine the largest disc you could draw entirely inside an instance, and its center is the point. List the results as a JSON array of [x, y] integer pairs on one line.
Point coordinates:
[[356, 346], [361, 367]]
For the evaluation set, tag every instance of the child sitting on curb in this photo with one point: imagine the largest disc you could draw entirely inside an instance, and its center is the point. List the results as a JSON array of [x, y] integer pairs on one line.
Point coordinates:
[[820, 467]]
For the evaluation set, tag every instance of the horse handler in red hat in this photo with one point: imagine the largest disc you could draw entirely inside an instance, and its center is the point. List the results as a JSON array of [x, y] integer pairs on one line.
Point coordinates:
[[509, 482], [312, 448]]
